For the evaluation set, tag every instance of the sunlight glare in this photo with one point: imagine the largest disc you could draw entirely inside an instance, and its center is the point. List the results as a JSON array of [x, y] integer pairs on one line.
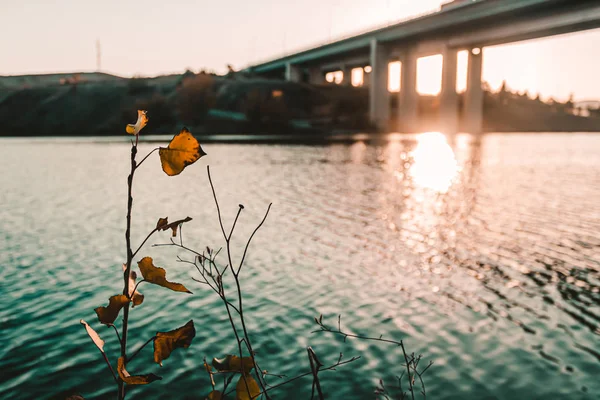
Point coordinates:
[[462, 62], [357, 77], [434, 166], [429, 75], [394, 71]]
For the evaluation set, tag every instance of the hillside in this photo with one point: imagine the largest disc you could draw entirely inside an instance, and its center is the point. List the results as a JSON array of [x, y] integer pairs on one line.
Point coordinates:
[[98, 104]]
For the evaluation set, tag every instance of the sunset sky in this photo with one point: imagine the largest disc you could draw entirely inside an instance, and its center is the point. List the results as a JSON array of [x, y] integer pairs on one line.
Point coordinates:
[[154, 37]]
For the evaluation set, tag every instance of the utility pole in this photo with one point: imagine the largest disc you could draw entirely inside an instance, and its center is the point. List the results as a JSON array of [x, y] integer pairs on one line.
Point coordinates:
[[98, 56]]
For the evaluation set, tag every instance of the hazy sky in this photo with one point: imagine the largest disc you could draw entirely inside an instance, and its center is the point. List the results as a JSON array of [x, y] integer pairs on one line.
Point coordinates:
[[153, 37]]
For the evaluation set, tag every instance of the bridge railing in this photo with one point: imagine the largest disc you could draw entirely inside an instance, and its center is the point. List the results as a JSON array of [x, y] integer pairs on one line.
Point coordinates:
[[353, 34], [342, 37]]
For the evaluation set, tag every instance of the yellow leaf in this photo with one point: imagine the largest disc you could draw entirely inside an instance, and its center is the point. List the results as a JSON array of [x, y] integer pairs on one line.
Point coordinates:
[[93, 335], [137, 298], [158, 275], [245, 387], [183, 150], [215, 395], [134, 379], [166, 342], [108, 315], [231, 363], [139, 124]]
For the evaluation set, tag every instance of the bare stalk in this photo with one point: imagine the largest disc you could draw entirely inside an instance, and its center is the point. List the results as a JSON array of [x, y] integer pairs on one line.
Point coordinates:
[[235, 274]]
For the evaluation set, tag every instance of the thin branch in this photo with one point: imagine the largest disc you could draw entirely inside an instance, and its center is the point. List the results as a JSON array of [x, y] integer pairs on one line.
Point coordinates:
[[116, 331], [145, 240], [147, 155], [216, 202], [330, 368], [251, 236], [140, 349], [112, 371]]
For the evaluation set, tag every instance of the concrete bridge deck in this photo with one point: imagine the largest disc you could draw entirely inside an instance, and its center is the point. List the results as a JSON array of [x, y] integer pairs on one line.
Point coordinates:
[[470, 26]]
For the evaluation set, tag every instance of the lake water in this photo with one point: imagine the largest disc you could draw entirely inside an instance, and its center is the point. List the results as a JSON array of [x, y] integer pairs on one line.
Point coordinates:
[[483, 255]]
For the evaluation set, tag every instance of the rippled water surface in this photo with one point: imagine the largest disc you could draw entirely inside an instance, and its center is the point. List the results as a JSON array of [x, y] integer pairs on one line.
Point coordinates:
[[483, 255]]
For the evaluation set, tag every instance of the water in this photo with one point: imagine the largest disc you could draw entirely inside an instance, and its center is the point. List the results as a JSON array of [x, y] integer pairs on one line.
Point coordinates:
[[484, 256]]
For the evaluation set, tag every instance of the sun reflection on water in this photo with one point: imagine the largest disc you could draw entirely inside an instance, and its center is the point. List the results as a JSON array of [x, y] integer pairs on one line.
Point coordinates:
[[434, 164]]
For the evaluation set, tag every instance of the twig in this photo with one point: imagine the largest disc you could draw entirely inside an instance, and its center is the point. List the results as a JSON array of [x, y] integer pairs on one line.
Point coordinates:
[[147, 155], [140, 349]]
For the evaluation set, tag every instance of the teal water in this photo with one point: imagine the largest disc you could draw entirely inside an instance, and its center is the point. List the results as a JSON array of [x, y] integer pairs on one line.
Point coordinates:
[[483, 255]]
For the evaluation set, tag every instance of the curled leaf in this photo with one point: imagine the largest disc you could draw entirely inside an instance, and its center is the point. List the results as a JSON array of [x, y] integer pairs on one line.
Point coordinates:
[[182, 151], [141, 122], [136, 297], [166, 342], [158, 275], [246, 389], [161, 223], [93, 335], [173, 225], [231, 363], [108, 315], [134, 379]]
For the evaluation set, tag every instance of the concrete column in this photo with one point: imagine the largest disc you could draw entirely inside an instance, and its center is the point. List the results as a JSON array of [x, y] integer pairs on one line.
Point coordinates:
[[293, 73], [448, 112], [473, 111], [347, 75], [366, 76], [379, 96], [316, 76], [408, 98]]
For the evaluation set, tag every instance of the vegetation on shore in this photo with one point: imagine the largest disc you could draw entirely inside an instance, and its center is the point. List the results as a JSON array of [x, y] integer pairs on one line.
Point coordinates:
[[63, 105]]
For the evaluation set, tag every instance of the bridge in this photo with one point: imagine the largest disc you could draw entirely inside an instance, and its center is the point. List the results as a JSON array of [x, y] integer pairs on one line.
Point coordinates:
[[461, 25]]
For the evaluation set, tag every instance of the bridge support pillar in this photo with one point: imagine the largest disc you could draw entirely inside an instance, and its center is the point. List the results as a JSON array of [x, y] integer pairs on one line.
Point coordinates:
[[347, 75], [448, 112], [379, 96], [473, 108], [366, 76], [293, 73], [408, 98], [316, 76]]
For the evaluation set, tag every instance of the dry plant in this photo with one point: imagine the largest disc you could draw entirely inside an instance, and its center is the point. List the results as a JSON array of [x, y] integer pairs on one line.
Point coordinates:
[[182, 151]]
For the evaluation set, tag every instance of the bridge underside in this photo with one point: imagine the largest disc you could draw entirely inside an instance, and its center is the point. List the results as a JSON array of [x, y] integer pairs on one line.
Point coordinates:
[[484, 23]]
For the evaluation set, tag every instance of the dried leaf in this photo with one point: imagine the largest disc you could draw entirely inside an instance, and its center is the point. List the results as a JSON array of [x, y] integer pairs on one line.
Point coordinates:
[[158, 275], [134, 379], [208, 369], [93, 335], [136, 298], [161, 223], [245, 387], [231, 363], [141, 122], [182, 151], [166, 342], [173, 225], [214, 395], [108, 315]]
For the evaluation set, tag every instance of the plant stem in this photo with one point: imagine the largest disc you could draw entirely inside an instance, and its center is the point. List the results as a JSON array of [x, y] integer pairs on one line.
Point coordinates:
[[127, 271], [141, 347]]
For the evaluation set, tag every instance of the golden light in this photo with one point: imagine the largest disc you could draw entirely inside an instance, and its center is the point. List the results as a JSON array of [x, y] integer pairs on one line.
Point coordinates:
[[368, 69], [334, 77], [429, 75], [434, 164], [357, 77], [462, 61], [394, 71]]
